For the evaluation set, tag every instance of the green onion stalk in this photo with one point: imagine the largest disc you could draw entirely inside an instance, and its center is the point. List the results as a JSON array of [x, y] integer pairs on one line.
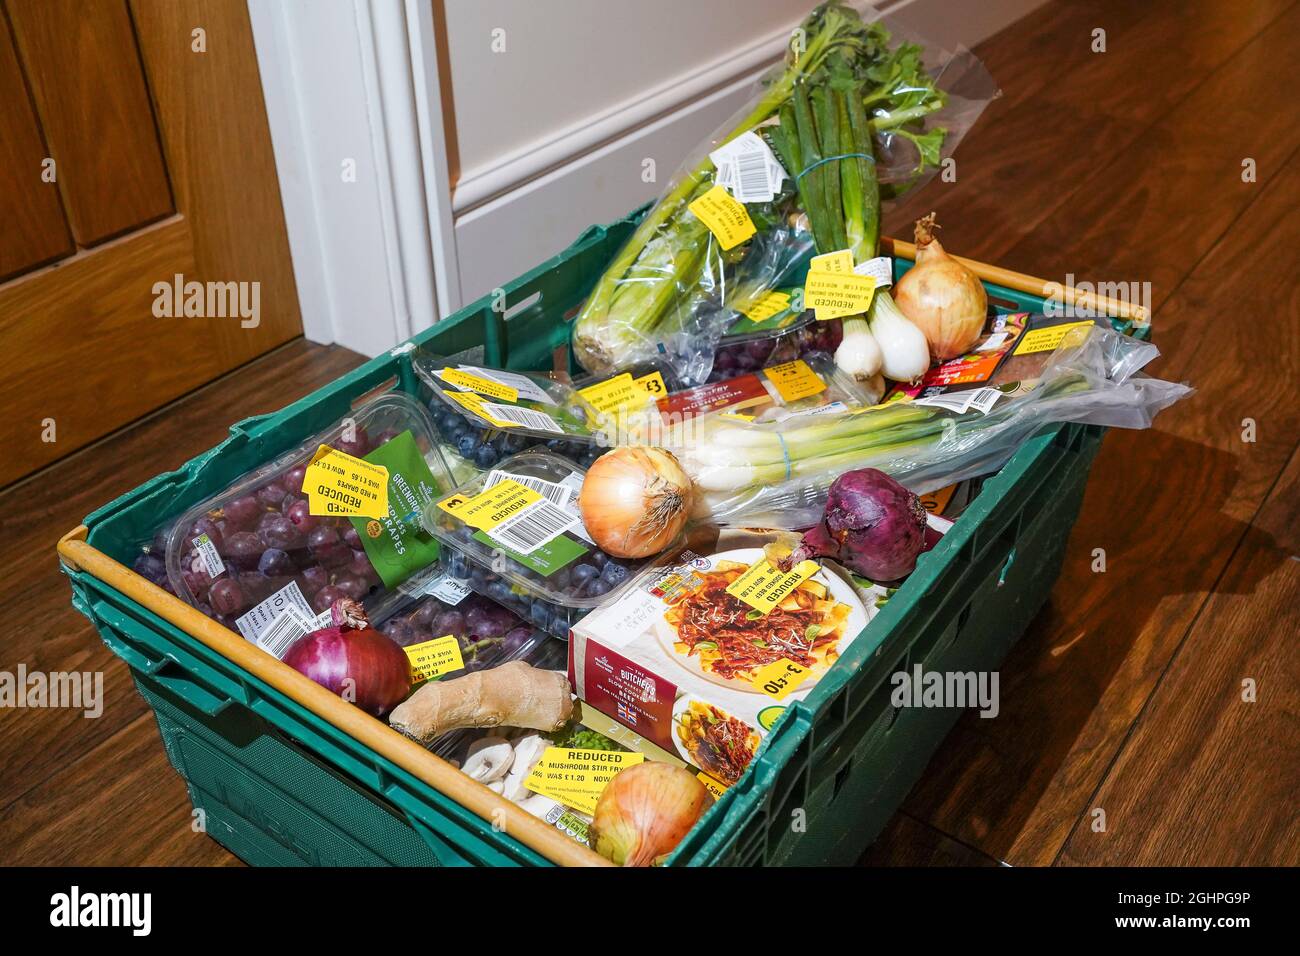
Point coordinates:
[[648, 290]]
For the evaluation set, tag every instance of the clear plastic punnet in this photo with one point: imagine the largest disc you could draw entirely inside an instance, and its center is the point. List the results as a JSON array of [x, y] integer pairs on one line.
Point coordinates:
[[431, 606], [487, 414], [268, 545], [734, 227], [515, 535]]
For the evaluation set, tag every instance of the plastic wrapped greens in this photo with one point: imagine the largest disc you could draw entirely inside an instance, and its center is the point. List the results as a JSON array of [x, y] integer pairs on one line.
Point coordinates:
[[777, 475], [676, 287]]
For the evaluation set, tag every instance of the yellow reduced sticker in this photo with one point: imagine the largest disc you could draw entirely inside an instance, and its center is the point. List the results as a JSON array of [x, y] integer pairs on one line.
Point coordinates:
[[841, 261], [834, 295], [475, 404], [434, 658], [612, 394], [767, 305], [339, 484], [780, 679], [727, 219], [737, 417], [763, 587], [715, 787], [489, 508], [477, 383], [794, 380], [578, 777], [1046, 340], [652, 384]]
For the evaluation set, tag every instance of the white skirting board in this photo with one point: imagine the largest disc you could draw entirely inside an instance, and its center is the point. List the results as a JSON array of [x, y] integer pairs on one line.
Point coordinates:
[[386, 255]]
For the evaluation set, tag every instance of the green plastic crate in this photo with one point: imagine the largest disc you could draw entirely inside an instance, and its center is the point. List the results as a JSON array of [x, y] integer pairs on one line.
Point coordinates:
[[279, 785]]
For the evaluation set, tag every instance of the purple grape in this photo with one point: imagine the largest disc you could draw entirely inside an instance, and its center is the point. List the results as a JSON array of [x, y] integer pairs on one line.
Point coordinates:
[[243, 549], [271, 494], [360, 566], [449, 622], [280, 532], [312, 579], [350, 536], [300, 514], [151, 568], [516, 638], [401, 632], [426, 614], [197, 583], [226, 598], [325, 598], [292, 479], [209, 527], [321, 537], [358, 446], [256, 586], [242, 512], [353, 585], [275, 563]]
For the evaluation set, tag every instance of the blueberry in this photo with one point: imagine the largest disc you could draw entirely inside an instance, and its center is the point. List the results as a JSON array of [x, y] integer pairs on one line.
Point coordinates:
[[582, 573], [498, 591], [466, 445], [486, 456], [599, 558], [513, 444], [539, 615], [613, 573], [597, 587], [555, 444]]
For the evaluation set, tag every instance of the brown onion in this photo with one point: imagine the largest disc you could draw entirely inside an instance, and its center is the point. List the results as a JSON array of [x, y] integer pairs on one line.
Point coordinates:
[[634, 501], [645, 811], [942, 297]]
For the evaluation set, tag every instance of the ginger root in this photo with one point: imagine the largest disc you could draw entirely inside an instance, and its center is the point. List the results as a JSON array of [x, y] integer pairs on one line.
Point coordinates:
[[512, 695]]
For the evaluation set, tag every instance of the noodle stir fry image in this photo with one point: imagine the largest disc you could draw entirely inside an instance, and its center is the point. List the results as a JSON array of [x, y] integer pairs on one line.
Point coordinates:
[[733, 641]]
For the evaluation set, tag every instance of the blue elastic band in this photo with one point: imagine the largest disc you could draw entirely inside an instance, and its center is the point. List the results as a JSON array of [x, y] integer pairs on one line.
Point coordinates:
[[785, 453], [831, 159]]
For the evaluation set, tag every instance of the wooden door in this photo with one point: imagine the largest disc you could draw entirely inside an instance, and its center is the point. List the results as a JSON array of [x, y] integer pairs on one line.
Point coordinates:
[[135, 162]]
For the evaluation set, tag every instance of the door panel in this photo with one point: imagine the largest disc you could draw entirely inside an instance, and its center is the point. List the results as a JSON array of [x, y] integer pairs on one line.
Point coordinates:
[[89, 85], [34, 230], [176, 146]]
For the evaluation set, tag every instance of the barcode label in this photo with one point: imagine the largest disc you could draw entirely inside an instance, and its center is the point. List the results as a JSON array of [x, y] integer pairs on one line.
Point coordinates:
[[523, 416], [206, 552], [257, 621], [752, 184], [553, 492], [880, 268], [532, 527], [981, 399], [283, 631], [522, 384]]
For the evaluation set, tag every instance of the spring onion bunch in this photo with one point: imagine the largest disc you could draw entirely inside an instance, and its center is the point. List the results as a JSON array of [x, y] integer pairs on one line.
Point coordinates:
[[839, 66]]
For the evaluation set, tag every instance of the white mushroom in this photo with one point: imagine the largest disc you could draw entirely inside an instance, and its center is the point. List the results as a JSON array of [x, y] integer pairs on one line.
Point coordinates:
[[497, 786], [489, 759], [538, 805], [528, 750]]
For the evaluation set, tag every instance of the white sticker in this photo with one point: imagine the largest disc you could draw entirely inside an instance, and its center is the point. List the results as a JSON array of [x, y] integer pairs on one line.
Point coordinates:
[[992, 342], [573, 482], [528, 417], [880, 268], [981, 399], [256, 621], [448, 590], [747, 169], [525, 386], [205, 553]]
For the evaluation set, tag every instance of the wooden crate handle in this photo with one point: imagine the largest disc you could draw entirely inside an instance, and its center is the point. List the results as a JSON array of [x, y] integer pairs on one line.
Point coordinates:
[[360, 726], [1042, 288]]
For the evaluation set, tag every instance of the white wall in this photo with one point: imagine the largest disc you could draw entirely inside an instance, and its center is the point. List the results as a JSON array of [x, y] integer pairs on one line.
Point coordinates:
[[473, 166]]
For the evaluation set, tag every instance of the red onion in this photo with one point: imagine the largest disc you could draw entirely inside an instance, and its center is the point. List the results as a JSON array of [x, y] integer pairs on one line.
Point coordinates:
[[353, 660], [871, 525]]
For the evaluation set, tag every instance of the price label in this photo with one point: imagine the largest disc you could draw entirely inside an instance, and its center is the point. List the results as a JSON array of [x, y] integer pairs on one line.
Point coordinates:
[[612, 394], [476, 404], [490, 508], [841, 262], [763, 587], [794, 380], [652, 384], [434, 658], [577, 778], [780, 679], [727, 219], [339, 484], [766, 306], [477, 383], [834, 295], [715, 787], [1047, 340]]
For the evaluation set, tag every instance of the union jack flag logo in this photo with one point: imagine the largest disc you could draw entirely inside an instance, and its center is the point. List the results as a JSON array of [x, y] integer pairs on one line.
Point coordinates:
[[626, 713]]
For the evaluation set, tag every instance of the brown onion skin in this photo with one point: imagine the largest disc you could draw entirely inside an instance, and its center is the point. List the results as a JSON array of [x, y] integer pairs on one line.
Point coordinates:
[[603, 513], [645, 811], [942, 297]]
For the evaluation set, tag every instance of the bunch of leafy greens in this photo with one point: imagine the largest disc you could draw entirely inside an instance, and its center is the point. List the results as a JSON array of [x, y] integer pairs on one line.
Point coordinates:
[[837, 65]]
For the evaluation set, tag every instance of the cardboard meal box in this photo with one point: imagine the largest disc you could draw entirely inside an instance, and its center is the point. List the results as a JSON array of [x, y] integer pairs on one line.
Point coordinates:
[[709, 645]]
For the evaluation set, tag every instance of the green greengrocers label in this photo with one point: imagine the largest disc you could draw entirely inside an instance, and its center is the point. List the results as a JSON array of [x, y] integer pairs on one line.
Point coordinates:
[[545, 560], [396, 544]]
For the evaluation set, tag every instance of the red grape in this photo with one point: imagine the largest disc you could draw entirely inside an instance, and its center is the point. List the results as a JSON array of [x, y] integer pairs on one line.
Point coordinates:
[[225, 597]]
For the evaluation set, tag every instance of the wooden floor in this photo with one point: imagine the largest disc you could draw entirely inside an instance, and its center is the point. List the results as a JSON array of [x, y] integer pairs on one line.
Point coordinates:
[[1127, 694]]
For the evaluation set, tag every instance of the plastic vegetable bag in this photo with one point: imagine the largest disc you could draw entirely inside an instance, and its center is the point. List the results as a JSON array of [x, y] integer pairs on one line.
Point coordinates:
[[777, 475], [675, 288]]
